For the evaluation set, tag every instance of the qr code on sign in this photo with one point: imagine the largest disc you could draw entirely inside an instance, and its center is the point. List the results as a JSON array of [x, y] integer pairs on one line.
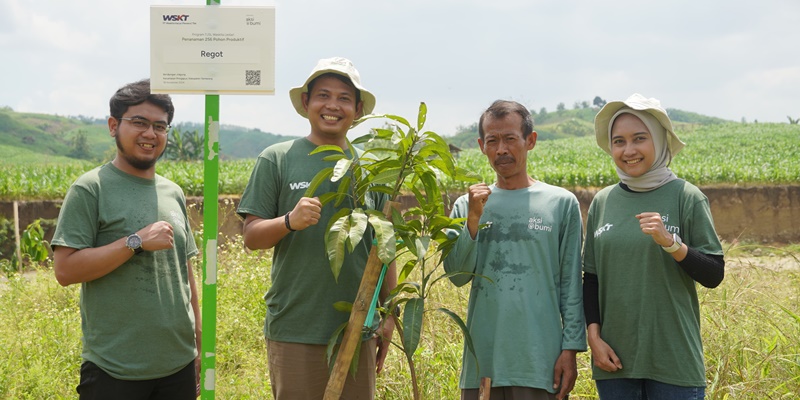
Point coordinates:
[[252, 77]]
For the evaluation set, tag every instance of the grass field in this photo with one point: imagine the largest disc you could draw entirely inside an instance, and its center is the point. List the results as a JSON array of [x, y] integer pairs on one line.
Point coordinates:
[[751, 325]]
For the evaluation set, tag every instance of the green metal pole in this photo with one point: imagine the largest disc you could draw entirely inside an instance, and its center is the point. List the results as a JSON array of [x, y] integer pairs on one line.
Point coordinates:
[[210, 223], [208, 358]]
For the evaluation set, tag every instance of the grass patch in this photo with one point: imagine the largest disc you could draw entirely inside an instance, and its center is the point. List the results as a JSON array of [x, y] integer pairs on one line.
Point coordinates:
[[750, 328]]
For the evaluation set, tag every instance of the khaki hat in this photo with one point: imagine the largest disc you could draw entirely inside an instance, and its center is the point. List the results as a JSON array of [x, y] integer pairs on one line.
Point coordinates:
[[635, 102], [336, 65]]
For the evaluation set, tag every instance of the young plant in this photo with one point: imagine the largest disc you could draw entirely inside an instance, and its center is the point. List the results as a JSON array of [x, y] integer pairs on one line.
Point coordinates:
[[397, 159]]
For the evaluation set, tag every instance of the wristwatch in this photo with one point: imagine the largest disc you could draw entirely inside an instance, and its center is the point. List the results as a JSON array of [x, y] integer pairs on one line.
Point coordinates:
[[134, 242], [677, 242]]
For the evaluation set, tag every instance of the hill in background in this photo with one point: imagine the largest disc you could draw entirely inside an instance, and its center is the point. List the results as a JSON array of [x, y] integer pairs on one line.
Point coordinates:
[[32, 137]]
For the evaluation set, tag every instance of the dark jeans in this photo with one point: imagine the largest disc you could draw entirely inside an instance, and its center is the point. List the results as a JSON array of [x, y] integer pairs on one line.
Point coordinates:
[[96, 384], [646, 389]]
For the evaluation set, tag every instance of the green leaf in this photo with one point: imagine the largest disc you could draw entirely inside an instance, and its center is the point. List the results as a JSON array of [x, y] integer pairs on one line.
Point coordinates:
[[406, 270], [464, 330], [358, 225], [421, 116], [326, 147], [341, 169], [412, 324], [384, 233], [343, 306], [398, 119], [383, 134], [334, 157], [387, 176], [325, 198], [333, 348], [364, 138], [335, 239], [320, 177], [342, 191]]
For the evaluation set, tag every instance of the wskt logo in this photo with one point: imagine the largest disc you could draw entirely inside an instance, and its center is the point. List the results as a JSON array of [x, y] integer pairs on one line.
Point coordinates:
[[182, 18]]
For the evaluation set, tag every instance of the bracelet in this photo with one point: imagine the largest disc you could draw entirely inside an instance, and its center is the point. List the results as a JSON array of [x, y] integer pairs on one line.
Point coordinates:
[[286, 220]]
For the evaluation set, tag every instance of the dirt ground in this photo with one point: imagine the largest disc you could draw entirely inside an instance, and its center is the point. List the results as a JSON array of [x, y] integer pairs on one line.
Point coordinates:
[[768, 259]]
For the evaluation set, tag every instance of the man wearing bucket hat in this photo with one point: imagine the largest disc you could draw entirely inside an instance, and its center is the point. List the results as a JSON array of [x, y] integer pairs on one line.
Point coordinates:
[[300, 315], [649, 238]]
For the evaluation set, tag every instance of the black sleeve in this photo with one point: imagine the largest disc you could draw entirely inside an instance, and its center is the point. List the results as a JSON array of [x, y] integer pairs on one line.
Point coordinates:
[[591, 301], [706, 269]]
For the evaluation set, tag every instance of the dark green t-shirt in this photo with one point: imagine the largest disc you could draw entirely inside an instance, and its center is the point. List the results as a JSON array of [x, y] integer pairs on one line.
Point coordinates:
[[303, 291], [137, 321], [648, 304]]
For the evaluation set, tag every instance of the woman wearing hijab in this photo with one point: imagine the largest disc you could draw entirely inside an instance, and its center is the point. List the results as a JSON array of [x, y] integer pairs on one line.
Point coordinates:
[[649, 238]]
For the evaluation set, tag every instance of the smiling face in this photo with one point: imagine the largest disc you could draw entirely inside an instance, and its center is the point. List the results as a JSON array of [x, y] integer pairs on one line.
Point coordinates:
[[632, 145], [332, 107], [137, 150], [507, 149]]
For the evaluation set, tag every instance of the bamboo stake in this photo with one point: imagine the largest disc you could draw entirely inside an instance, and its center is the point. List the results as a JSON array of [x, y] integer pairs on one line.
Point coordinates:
[[485, 389], [352, 334], [18, 248]]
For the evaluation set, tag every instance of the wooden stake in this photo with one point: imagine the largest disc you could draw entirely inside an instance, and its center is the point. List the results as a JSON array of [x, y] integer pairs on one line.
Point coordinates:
[[486, 388], [352, 334], [18, 248]]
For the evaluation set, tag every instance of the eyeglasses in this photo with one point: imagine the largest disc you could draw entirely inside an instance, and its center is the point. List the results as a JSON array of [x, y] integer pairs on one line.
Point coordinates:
[[142, 124]]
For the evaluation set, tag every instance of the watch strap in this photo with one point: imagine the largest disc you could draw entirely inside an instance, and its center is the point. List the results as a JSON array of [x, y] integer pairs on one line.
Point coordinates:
[[676, 244]]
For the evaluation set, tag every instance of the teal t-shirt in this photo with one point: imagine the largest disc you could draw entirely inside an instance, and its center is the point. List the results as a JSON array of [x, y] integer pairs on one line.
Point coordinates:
[[303, 291], [648, 304], [137, 321], [526, 302]]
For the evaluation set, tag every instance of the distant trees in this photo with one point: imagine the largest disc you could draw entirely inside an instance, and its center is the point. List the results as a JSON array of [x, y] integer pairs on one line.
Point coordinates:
[[80, 146], [184, 146], [598, 102]]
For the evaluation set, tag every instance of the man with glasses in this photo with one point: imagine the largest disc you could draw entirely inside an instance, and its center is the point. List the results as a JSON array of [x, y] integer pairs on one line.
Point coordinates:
[[124, 235]]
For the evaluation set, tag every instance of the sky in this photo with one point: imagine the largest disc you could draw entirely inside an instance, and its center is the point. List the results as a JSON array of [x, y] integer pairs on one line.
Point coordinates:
[[722, 58]]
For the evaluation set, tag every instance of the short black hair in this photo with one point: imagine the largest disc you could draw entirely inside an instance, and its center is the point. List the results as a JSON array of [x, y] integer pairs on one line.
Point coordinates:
[[342, 78], [137, 93], [501, 108]]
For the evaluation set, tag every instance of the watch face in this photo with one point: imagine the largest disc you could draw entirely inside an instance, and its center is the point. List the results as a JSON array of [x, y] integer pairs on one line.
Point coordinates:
[[134, 241]]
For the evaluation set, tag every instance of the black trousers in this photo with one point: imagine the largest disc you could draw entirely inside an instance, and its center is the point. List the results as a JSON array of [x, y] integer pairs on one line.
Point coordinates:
[[96, 384]]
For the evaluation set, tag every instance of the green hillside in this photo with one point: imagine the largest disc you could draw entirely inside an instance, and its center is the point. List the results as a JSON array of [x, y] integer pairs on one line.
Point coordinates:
[[237, 142], [31, 137]]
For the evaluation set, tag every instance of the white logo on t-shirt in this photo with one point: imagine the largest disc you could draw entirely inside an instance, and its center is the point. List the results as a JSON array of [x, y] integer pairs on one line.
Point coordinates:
[[299, 185], [604, 228]]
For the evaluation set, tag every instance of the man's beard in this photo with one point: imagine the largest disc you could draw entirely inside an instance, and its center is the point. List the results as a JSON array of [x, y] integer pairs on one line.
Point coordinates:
[[142, 165]]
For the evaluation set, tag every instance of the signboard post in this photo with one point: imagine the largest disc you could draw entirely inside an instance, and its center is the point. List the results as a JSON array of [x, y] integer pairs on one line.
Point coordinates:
[[211, 50]]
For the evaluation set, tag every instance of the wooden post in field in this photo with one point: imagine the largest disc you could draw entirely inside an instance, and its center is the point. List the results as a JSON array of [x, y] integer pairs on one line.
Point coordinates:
[[352, 334], [17, 248], [486, 388]]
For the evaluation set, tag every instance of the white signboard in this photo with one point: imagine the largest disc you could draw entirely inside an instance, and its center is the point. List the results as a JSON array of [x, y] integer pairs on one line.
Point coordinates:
[[212, 50]]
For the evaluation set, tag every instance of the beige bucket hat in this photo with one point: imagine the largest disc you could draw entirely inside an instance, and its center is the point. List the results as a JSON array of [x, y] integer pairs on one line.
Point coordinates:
[[336, 65], [640, 103]]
